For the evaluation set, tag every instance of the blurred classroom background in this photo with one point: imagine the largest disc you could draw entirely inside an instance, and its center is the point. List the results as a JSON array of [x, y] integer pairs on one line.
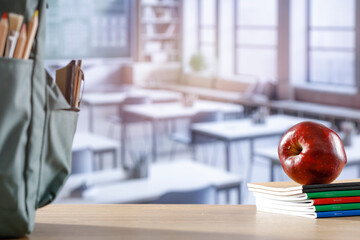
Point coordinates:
[[185, 101]]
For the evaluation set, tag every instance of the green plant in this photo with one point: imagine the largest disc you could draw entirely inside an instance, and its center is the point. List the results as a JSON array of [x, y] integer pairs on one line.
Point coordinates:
[[197, 62]]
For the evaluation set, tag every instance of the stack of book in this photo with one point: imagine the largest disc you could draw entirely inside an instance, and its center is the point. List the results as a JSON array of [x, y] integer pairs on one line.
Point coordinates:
[[338, 199]]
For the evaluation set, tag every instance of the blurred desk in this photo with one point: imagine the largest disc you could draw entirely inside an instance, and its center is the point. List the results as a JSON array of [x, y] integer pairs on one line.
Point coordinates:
[[98, 145], [319, 110], [89, 141], [245, 129], [271, 154], [111, 186], [253, 100], [92, 100], [200, 222], [169, 111]]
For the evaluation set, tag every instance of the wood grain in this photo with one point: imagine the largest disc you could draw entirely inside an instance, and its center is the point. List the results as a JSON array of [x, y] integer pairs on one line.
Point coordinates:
[[183, 222]]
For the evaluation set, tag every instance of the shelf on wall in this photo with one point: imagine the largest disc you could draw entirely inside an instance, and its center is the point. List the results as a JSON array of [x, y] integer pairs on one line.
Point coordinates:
[[159, 30]]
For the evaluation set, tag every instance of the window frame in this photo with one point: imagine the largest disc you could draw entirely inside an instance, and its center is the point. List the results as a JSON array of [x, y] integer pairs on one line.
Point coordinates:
[[309, 49], [238, 46], [283, 42], [215, 27]]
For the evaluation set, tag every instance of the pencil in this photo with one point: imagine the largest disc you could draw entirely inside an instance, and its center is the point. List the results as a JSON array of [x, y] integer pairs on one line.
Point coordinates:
[[31, 32], [15, 21], [20, 45], [4, 26], [78, 79]]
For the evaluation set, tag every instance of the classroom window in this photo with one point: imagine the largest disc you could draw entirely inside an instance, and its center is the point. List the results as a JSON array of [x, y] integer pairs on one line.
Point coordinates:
[[331, 42], [256, 38]]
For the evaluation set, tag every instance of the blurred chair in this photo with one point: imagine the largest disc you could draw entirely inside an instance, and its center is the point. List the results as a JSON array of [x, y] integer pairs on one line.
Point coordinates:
[[206, 195], [269, 154], [124, 119], [116, 120], [188, 139]]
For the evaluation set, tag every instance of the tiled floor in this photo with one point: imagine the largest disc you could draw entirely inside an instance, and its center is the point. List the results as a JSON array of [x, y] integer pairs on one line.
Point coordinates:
[[211, 154]]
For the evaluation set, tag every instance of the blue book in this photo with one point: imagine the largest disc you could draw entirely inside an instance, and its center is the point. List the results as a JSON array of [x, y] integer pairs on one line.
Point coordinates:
[[344, 213], [307, 213]]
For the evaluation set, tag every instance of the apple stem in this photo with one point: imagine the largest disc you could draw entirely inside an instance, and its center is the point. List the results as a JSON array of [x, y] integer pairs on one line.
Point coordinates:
[[295, 149]]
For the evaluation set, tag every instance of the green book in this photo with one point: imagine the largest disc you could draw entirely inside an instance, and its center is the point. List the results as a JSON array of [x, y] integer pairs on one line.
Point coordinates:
[[337, 207], [331, 194]]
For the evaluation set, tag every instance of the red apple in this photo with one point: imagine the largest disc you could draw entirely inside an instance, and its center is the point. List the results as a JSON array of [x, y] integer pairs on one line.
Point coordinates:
[[311, 153]]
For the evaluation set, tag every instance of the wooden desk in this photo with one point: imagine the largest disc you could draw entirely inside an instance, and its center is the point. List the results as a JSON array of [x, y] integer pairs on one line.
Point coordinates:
[[183, 222]]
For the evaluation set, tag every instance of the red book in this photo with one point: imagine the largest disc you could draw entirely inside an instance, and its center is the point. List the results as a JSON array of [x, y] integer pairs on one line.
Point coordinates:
[[323, 201]]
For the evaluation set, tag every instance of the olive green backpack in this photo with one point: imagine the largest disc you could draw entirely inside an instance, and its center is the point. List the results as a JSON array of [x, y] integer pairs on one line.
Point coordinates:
[[37, 127]]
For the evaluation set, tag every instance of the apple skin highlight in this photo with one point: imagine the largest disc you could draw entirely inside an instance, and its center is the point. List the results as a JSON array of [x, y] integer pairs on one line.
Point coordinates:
[[311, 153]]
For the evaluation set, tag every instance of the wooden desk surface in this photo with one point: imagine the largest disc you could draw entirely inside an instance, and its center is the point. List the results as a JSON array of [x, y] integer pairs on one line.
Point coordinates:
[[222, 222]]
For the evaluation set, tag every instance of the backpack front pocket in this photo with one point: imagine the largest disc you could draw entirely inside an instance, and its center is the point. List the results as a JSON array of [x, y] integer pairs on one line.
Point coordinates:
[[61, 124]]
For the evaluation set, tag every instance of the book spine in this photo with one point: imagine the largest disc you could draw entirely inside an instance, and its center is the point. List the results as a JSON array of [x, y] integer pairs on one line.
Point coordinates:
[[332, 189], [72, 74], [333, 194], [354, 182], [346, 213], [337, 207], [68, 84], [322, 201]]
